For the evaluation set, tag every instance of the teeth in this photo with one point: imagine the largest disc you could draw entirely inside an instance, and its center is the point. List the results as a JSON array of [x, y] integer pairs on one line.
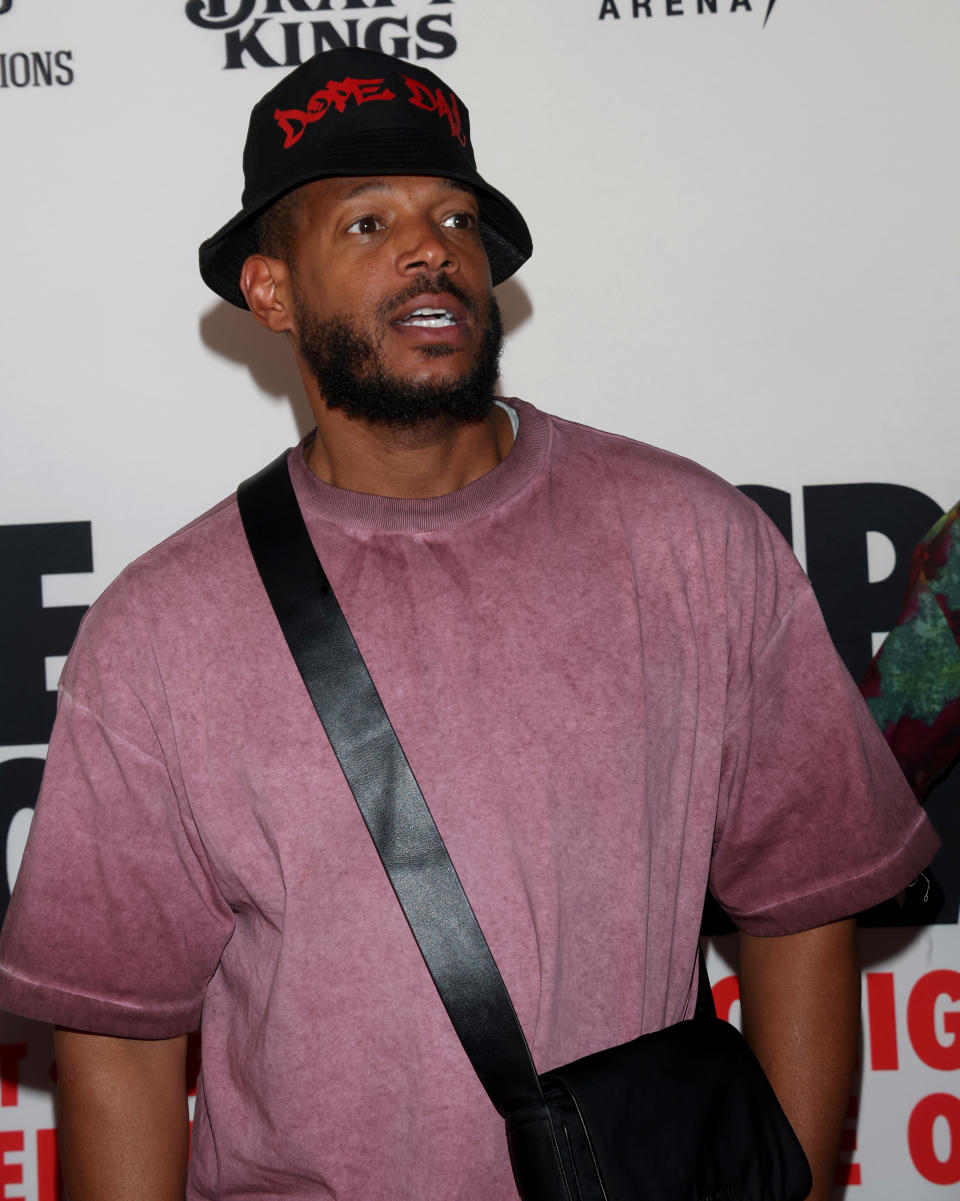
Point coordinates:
[[430, 318]]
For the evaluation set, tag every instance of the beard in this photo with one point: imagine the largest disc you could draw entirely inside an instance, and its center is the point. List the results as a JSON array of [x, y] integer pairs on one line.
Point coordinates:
[[348, 366]]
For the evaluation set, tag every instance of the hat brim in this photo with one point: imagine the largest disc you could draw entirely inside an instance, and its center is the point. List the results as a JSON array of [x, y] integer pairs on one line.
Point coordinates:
[[503, 231]]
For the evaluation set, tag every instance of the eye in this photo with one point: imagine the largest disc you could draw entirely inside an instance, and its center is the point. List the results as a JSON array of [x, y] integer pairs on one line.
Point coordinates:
[[463, 220], [365, 225]]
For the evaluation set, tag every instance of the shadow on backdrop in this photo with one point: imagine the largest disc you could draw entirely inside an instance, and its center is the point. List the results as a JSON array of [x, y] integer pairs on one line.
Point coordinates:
[[238, 336]]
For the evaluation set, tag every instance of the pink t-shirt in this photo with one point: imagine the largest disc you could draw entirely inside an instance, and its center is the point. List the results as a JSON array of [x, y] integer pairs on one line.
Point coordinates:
[[613, 684]]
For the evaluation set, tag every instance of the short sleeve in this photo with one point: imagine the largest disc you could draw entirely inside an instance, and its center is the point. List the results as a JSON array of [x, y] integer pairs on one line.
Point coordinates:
[[817, 822], [116, 923]]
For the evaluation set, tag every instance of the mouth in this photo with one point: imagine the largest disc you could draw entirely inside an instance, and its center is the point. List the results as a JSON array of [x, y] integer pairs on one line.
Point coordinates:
[[433, 310], [429, 318]]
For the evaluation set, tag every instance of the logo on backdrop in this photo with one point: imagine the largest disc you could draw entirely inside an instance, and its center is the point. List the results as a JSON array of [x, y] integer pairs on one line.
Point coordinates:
[[614, 9], [35, 68], [284, 33]]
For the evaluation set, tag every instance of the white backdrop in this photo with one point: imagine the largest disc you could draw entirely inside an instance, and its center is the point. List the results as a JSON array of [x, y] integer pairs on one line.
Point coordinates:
[[746, 250]]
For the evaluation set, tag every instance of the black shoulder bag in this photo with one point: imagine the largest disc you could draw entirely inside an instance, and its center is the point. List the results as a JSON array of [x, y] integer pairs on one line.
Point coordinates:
[[683, 1114]]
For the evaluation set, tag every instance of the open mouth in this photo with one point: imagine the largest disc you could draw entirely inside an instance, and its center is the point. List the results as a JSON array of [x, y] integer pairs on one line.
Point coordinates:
[[428, 318]]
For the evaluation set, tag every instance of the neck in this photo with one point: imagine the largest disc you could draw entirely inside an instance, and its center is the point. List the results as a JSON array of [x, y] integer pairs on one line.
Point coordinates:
[[431, 460]]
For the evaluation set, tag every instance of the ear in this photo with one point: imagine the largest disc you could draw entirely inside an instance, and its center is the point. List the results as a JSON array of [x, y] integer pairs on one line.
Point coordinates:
[[265, 284]]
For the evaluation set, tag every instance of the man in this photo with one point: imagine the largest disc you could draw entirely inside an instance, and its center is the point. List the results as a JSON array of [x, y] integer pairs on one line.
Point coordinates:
[[608, 673]]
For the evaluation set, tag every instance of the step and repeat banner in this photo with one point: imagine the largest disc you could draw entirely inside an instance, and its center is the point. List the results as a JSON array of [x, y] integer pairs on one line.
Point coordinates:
[[746, 251]]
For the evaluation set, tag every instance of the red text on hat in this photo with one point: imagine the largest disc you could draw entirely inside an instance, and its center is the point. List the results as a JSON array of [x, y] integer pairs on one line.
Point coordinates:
[[336, 94]]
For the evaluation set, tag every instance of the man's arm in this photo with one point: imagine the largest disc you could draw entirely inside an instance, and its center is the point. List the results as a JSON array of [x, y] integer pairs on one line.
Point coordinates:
[[800, 996], [122, 1117]]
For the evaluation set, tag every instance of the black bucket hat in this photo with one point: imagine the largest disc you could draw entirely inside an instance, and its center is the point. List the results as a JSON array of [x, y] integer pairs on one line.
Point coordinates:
[[356, 112]]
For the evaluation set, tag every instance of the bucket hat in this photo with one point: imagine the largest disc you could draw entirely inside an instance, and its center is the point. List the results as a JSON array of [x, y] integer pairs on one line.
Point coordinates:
[[357, 112]]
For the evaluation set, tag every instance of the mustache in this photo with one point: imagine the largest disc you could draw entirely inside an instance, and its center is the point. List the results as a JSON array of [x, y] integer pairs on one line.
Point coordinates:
[[425, 282]]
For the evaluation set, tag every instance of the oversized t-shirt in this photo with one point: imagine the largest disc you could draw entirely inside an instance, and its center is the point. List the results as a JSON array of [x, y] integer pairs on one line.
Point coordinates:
[[614, 686]]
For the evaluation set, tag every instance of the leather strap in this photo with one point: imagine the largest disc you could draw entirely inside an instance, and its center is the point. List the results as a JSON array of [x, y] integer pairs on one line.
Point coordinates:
[[393, 808]]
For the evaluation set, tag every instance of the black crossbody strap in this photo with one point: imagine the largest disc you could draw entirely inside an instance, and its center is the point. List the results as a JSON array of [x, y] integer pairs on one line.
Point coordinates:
[[389, 798]]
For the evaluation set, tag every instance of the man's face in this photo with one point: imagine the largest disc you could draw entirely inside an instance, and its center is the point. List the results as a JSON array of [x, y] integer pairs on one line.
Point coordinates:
[[394, 307]]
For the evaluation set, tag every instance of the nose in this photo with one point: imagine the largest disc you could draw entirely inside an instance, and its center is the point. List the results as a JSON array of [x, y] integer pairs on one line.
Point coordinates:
[[425, 247]]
